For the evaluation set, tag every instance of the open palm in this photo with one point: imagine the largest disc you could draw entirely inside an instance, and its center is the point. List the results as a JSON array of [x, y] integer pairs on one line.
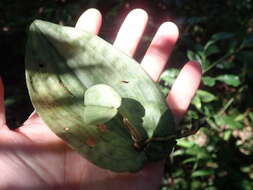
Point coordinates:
[[32, 157]]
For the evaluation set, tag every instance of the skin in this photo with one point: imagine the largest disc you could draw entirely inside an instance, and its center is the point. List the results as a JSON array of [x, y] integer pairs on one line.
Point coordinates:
[[32, 157]]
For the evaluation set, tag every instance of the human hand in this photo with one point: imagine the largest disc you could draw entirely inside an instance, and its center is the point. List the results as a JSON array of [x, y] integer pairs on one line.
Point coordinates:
[[33, 157]]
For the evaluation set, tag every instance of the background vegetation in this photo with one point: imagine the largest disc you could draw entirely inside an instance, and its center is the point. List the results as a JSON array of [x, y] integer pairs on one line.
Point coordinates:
[[217, 33]]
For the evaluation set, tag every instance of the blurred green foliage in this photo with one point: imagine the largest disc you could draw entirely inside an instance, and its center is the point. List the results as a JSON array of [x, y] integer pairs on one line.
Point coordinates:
[[218, 34]]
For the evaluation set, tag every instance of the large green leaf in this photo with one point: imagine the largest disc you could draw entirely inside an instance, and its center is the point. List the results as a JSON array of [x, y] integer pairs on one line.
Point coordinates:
[[123, 121]]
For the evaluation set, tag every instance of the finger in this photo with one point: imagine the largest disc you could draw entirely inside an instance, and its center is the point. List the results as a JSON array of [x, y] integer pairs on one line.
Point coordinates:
[[131, 31], [2, 108], [90, 21], [160, 49], [184, 89]]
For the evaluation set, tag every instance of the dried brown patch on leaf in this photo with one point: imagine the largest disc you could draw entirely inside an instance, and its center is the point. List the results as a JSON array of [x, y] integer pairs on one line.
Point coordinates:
[[102, 128], [91, 142]]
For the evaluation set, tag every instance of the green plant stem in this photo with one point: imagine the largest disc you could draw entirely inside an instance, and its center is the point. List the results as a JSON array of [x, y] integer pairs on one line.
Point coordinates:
[[212, 124], [217, 62], [223, 58], [222, 111], [230, 101]]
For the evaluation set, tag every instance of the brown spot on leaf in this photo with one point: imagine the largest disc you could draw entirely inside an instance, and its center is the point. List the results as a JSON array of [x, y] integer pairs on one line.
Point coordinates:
[[66, 128], [91, 142], [125, 81], [102, 128]]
